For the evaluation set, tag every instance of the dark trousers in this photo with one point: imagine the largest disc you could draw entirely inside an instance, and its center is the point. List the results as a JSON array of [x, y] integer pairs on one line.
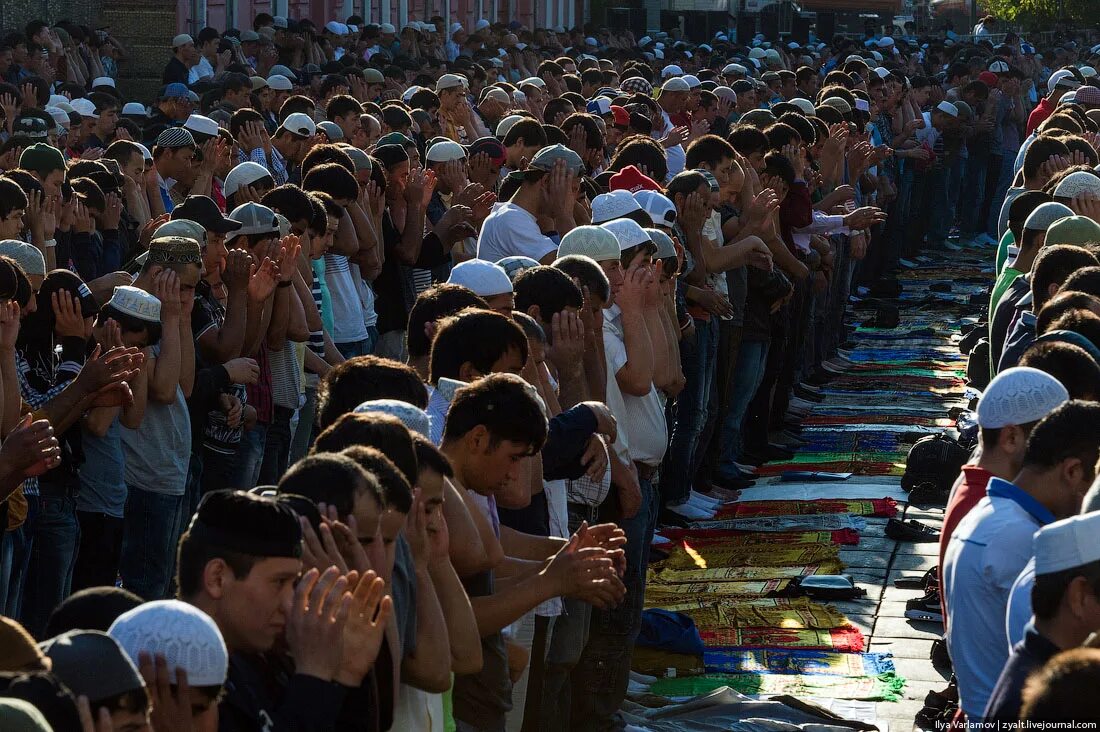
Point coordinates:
[[710, 447], [100, 550], [277, 447], [52, 559]]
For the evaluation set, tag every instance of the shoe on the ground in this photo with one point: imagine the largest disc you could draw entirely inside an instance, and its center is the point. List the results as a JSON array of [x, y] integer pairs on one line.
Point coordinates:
[[690, 512], [911, 530], [941, 660], [927, 581], [925, 608]]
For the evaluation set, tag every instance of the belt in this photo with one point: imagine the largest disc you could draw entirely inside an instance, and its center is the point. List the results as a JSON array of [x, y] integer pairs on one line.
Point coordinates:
[[645, 472]]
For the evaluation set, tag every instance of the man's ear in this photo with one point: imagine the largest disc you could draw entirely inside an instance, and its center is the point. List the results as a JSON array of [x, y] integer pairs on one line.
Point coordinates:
[[467, 372]]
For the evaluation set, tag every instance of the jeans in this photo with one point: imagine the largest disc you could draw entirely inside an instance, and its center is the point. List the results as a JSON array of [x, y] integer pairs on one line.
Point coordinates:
[[219, 470], [699, 359], [100, 550], [973, 193], [303, 431], [52, 559], [955, 177], [276, 446], [250, 457], [600, 678], [567, 641], [752, 357], [392, 344], [710, 448], [17, 544], [937, 205], [149, 540], [351, 349]]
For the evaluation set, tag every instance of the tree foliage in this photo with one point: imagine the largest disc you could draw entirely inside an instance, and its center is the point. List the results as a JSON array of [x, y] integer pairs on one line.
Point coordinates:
[[1041, 11]]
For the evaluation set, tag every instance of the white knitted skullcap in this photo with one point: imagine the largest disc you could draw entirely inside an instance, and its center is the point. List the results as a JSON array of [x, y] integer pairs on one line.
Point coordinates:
[[413, 417], [590, 241], [1019, 395], [481, 277], [186, 636], [27, 256]]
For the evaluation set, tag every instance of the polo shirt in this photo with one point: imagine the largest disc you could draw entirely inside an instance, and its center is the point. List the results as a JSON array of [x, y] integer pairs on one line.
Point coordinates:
[[968, 491], [1018, 614], [1029, 654], [986, 553]]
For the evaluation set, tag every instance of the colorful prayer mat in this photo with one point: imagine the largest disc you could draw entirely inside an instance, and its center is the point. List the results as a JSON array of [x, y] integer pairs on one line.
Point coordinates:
[[796, 614], [735, 574], [729, 537], [656, 662], [884, 687], [847, 466], [656, 594], [784, 661], [880, 507], [813, 522], [843, 640], [701, 555]]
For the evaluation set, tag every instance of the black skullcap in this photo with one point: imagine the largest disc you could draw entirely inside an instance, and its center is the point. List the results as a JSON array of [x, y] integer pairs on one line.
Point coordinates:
[[248, 524], [391, 155], [93, 608]]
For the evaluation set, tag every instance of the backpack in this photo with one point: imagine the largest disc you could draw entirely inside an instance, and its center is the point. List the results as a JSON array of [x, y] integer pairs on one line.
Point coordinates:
[[935, 460]]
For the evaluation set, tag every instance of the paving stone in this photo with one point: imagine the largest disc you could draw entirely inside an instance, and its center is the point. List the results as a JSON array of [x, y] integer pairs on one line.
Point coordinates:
[[914, 648], [859, 559], [864, 621], [926, 549], [912, 669], [873, 543], [902, 628], [888, 609]]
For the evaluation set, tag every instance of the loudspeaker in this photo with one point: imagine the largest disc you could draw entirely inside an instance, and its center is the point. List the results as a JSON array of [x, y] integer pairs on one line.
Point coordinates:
[[800, 30], [826, 27]]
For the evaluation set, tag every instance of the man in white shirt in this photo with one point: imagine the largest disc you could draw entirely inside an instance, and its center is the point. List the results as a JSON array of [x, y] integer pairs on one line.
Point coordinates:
[[548, 188], [672, 98], [992, 544]]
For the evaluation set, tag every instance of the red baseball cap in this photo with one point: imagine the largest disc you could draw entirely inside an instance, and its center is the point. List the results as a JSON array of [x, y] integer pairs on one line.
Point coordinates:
[[631, 179], [989, 79], [621, 116]]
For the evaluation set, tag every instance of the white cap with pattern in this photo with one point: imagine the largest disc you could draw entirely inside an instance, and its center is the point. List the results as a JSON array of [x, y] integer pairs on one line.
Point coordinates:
[[186, 636], [1019, 395]]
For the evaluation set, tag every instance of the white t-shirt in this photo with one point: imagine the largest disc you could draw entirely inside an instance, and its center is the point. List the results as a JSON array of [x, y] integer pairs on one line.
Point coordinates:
[[675, 156], [641, 418], [928, 135], [348, 323], [510, 231]]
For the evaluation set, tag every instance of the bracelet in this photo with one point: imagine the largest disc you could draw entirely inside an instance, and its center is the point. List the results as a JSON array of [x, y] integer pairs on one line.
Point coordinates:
[[49, 243], [288, 283]]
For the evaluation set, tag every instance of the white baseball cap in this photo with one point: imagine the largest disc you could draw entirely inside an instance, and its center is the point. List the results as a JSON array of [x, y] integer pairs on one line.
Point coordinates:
[[300, 124]]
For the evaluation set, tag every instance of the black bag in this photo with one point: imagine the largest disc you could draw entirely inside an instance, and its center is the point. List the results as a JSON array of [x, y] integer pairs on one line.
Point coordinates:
[[977, 365], [935, 460]]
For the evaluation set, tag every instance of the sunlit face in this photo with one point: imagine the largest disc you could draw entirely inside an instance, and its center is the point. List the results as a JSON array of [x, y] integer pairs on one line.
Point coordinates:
[[498, 464], [250, 612], [12, 224], [431, 490], [613, 268]]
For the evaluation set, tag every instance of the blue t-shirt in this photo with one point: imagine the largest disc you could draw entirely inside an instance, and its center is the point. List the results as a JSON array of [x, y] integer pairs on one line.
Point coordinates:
[[103, 473]]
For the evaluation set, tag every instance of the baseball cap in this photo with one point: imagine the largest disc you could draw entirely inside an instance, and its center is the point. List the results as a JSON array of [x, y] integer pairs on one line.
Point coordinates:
[[999, 67], [596, 242], [242, 175], [180, 632], [659, 207], [613, 205], [620, 117], [1046, 214], [84, 107], [332, 130], [175, 90], [450, 81], [203, 210], [182, 228], [506, 124], [491, 146], [482, 277], [630, 179], [299, 124], [254, 219], [1019, 395], [675, 84], [545, 159], [665, 247], [1067, 544], [1062, 79], [92, 664], [599, 106]]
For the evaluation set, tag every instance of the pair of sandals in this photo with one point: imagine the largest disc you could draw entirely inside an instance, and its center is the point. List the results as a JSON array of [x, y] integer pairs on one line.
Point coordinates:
[[911, 531]]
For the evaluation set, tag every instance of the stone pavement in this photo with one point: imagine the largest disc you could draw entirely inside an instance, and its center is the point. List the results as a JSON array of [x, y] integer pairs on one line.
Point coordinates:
[[875, 563]]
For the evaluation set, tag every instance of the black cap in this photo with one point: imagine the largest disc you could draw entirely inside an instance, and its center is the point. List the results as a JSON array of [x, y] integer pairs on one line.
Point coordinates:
[[204, 212]]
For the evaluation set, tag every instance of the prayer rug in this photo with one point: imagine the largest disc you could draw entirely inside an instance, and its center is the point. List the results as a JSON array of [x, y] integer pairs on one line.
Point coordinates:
[[692, 555], [784, 661], [748, 538], [795, 614], [883, 687], [879, 507], [842, 640], [736, 574], [814, 522], [657, 594]]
